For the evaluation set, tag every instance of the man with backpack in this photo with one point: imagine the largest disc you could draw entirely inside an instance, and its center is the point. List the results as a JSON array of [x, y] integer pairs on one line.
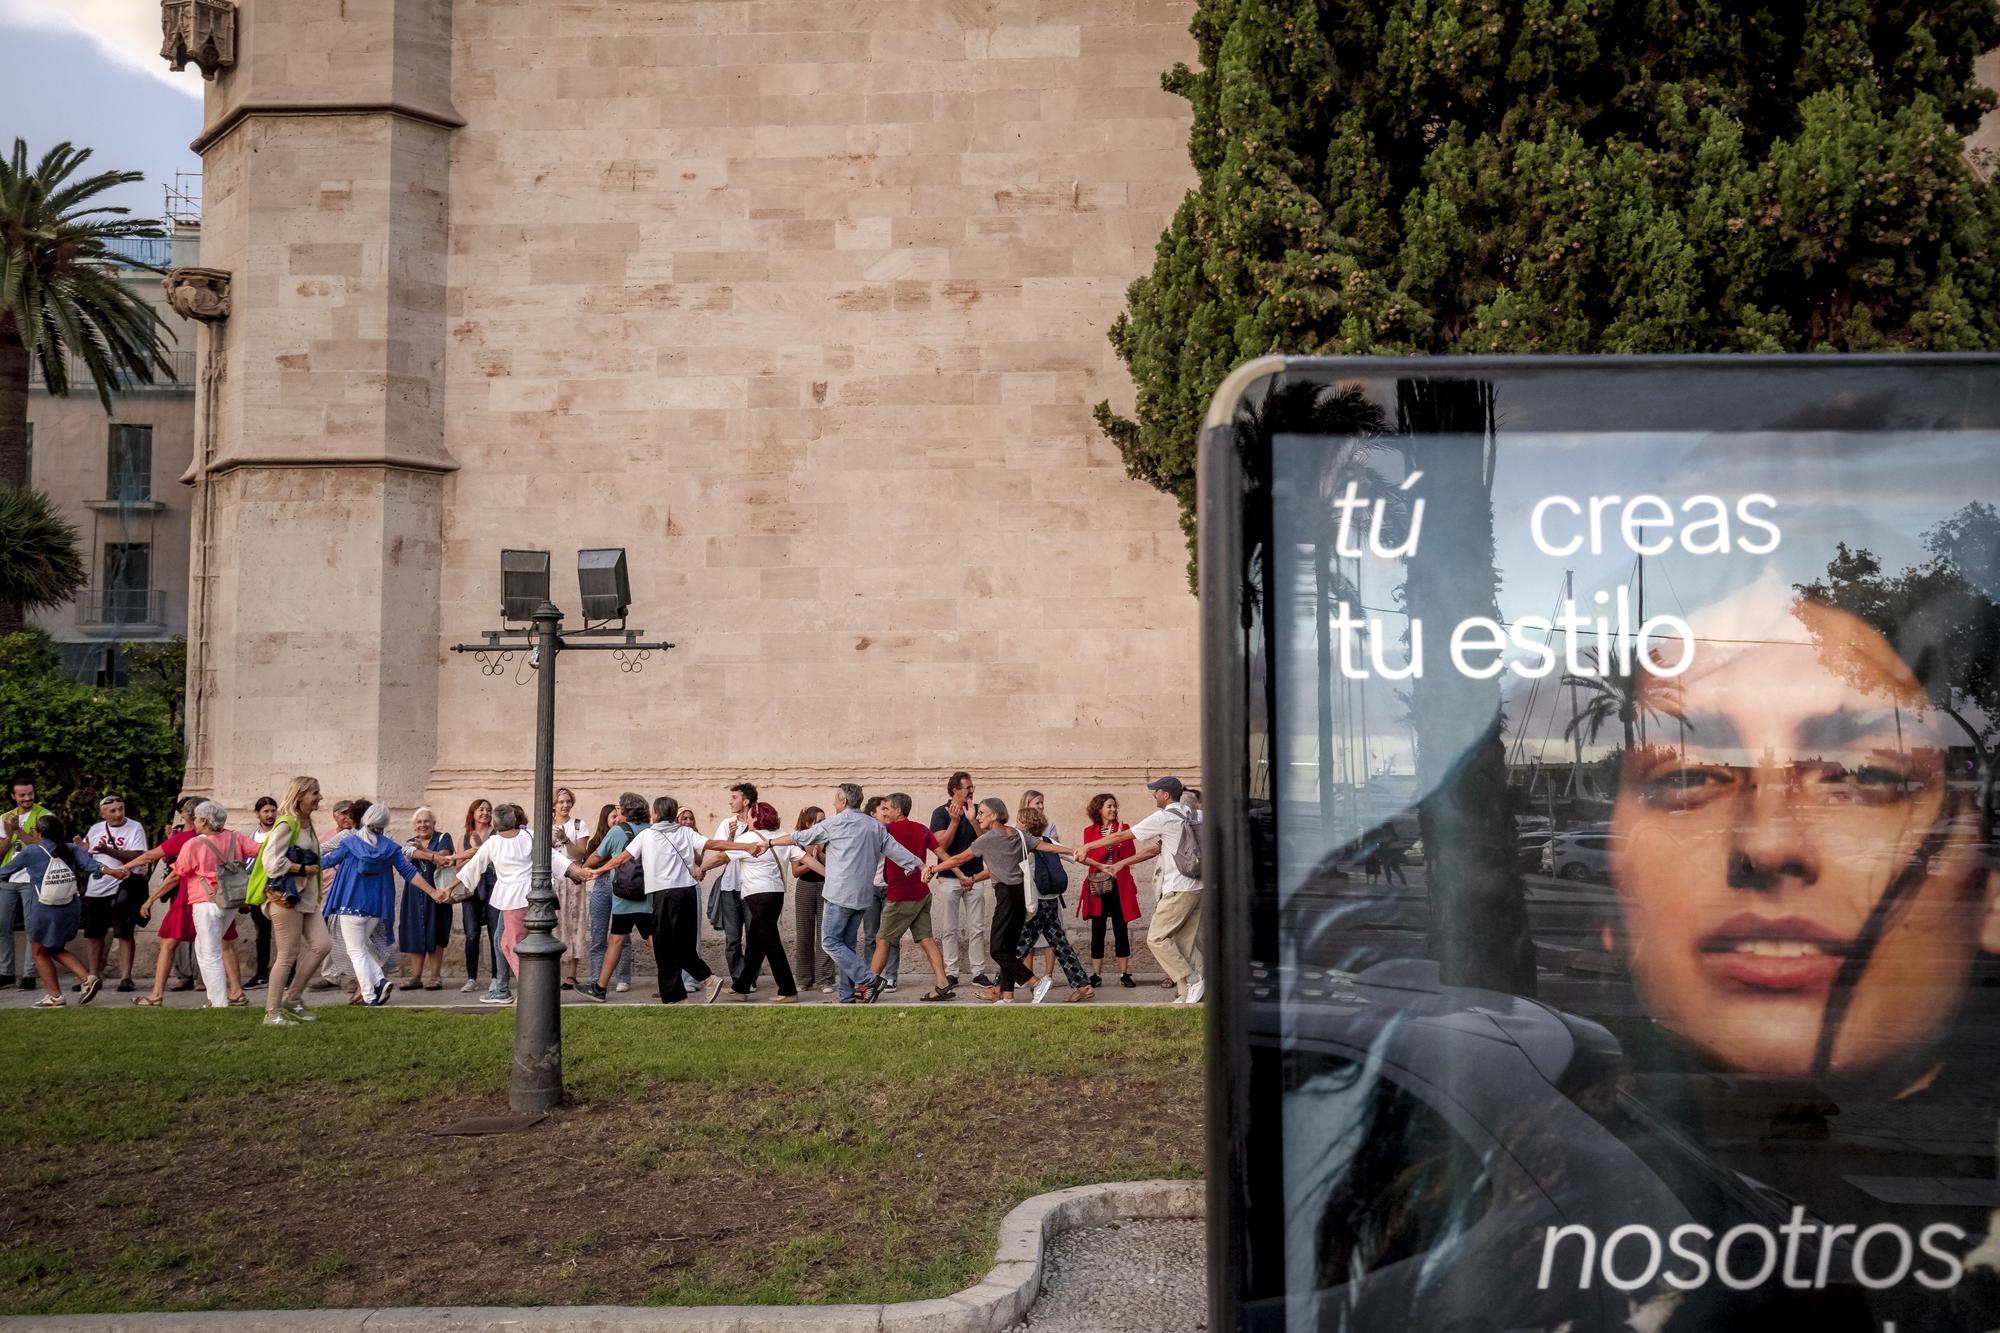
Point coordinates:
[[1174, 831]]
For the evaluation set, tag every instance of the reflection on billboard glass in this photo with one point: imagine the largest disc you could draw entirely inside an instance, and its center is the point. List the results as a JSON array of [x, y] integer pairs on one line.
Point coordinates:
[[1635, 869]]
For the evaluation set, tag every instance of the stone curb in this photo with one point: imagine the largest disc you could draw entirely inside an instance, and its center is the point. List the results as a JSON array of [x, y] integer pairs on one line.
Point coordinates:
[[997, 1302]]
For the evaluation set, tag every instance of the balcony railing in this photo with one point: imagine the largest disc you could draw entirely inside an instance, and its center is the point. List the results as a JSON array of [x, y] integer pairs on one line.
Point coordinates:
[[121, 608], [180, 374]]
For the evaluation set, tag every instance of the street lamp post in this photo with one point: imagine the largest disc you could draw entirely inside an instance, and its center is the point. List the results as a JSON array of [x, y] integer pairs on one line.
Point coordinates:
[[535, 1085]]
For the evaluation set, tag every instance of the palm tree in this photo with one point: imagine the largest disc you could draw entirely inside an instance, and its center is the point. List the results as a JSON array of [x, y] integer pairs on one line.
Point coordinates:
[[1615, 691], [40, 565], [60, 297]]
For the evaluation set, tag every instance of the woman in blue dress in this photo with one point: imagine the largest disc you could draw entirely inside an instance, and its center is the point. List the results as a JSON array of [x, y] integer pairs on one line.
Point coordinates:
[[50, 929], [425, 920], [365, 865]]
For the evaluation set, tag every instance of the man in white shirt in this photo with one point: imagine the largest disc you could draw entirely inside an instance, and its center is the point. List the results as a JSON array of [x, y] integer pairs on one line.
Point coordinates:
[[1177, 916], [669, 853], [725, 903], [111, 904]]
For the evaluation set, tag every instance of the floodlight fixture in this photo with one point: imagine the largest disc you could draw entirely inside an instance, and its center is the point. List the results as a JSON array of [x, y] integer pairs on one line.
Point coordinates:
[[524, 584], [606, 587]]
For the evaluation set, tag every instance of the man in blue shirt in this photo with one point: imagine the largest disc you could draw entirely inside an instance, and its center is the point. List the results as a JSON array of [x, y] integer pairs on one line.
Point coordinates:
[[617, 838], [855, 845]]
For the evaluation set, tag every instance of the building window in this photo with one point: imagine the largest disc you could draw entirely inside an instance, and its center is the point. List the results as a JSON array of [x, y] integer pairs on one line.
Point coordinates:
[[128, 576], [129, 475]]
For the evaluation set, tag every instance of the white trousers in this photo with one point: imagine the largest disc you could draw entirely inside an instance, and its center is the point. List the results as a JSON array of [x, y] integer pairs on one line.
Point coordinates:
[[366, 951], [209, 924], [954, 913]]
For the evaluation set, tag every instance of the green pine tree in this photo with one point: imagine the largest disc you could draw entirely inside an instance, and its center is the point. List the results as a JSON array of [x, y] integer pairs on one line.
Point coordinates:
[[1455, 176]]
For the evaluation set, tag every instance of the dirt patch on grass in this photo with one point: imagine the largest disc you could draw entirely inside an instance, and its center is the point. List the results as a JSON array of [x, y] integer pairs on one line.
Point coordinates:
[[672, 1193]]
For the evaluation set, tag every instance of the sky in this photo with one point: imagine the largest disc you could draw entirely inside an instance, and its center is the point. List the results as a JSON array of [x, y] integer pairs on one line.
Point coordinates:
[[89, 71]]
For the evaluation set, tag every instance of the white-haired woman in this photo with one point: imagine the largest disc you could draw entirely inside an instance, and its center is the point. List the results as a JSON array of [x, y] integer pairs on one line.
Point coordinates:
[[197, 869], [364, 866], [426, 916]]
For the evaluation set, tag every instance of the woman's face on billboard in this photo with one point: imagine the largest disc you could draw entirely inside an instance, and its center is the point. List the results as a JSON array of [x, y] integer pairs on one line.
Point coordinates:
[[1750, 855]]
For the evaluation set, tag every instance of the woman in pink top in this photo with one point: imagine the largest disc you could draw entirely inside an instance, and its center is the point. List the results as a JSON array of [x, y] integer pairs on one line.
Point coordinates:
[[196, 868]]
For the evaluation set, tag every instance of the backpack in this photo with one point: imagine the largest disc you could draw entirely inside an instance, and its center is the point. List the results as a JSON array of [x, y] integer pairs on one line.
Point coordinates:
[[58, 886], [232, 878], [1187, 851], [628, 881]]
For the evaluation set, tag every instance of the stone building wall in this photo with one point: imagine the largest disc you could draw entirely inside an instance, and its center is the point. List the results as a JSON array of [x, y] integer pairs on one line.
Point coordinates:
[[803, 302]]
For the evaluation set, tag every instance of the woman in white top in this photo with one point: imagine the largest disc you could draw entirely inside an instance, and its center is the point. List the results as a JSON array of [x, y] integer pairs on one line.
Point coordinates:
[[760, 878], [509, 854]]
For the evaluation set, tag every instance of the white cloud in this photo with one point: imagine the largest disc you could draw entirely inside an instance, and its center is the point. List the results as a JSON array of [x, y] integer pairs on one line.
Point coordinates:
[[128, 31]]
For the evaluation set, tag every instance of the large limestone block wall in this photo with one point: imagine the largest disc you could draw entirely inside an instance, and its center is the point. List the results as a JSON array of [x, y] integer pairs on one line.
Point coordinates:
[[804, 303]]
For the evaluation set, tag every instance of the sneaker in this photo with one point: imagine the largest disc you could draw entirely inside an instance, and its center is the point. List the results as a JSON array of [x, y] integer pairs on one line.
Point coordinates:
[[383, 989], [278, 1018], [828, 990], [126, 985], [88, 991], [622, 987], [50, 1002], [1195, 989], [1096, 980], [6, 980], [297, 1009], [471, 985], [590, 990], [981, 979], [1042, 988], [1125, 980], [890, 984], [27, 981], [256, 983], [497, 997], [950, 981], [710, 989]]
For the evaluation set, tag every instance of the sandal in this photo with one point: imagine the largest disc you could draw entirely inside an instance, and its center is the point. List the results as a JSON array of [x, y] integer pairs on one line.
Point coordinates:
[[1079, 996], [991, 994], [937, 993], [434, 985], [239, 1000], [147, 1002]]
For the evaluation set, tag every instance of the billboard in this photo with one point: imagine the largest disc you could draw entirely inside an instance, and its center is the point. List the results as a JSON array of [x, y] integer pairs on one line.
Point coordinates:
[[1604, 911]]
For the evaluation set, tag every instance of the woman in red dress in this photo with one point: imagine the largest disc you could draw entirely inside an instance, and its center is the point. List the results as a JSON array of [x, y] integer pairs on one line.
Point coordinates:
[[1106, 899]]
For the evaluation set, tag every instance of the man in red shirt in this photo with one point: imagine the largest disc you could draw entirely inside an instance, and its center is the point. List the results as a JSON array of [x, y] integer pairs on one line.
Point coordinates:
[[908, 905]]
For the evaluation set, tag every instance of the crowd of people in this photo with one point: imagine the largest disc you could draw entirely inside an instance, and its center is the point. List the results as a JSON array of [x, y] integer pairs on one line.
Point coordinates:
[[975, 890]]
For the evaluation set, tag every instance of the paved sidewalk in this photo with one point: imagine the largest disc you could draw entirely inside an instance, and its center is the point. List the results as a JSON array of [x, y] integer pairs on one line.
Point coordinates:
[[643, 992]]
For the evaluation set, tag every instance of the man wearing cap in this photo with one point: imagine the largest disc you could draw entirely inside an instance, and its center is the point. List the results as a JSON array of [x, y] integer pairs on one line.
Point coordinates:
[[111, 905], [1177, 916]]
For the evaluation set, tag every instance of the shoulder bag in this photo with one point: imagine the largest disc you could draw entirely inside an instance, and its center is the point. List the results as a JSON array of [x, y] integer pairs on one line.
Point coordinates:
[[1030, 899]]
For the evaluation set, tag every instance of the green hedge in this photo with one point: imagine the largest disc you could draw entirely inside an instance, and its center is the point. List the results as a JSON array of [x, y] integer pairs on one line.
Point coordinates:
[[77, 742]]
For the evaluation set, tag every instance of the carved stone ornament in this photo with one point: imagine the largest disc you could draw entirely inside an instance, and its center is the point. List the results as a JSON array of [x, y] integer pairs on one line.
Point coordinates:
[[198, 293], [199, 32]]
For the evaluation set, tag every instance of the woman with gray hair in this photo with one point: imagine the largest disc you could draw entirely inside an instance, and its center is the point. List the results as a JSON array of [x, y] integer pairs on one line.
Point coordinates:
[[198, 870], [426, 916], [364, 866]]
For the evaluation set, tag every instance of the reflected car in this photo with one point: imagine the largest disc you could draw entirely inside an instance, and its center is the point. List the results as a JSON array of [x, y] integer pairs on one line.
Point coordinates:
[[1440, 1138], [1580, 855]]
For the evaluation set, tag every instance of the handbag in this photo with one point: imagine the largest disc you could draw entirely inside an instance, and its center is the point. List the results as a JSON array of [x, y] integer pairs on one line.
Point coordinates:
[[445, 880], [232, 879], [461, 887]]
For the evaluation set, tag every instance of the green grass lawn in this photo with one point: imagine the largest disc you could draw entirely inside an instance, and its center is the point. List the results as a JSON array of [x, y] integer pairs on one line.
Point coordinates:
[[194, 1160]]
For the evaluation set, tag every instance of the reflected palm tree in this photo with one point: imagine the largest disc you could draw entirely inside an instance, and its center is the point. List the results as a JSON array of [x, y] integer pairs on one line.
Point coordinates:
[[1617, 690], [1478, 913], [1358, 429]]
